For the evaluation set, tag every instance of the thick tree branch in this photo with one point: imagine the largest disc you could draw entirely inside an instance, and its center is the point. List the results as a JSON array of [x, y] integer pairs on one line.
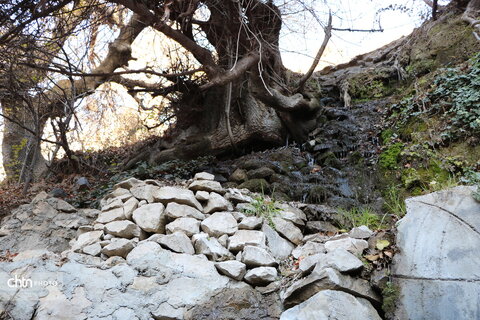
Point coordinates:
[[242, 66], [328, 35]]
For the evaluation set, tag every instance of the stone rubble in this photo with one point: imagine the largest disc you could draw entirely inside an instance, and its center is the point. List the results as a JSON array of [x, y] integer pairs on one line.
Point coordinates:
[[168, 249]]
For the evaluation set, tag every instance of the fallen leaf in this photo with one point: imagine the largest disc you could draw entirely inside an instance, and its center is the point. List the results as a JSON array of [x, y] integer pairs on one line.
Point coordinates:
[[372, 257], [382, 244]]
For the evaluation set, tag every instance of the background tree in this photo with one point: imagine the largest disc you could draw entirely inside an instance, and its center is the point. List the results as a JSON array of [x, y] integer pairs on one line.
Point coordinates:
[[232, 91]]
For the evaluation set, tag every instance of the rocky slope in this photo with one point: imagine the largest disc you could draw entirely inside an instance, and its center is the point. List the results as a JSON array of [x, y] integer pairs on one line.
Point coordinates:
[[171, 252]]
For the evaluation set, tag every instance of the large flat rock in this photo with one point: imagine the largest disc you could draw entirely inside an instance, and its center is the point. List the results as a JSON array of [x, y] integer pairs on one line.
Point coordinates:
[[438, 266]]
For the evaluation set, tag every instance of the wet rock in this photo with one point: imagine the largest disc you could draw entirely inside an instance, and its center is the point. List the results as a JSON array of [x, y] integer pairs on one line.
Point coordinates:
[[239, 176], [212, 249], [220, 223], [320, 226], [355, 246], [178, 195], [278, 246], [150, 217], [242, 238], [260, 173], [251, 223], [206, 185], [216, 203], [175, 211], [362, 232], [233, 269], [189, 226], [257, 257], [177, 242], [123, 229], [288, 230], [261, 276], [118, 247], [255, 185], [332, 304]]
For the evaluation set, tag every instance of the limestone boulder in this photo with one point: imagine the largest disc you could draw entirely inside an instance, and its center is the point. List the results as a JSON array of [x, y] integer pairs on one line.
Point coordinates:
[[151, 217], [220, 223]]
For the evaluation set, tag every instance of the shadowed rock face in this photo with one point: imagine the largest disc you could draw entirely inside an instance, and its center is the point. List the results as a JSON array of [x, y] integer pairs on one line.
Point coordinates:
[[438, 267]]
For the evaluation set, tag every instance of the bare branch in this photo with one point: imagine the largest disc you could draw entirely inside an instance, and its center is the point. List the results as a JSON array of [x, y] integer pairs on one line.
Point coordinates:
[[328, 35]]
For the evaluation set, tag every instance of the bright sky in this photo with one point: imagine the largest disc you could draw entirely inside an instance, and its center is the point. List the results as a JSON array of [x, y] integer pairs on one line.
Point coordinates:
[[354, 14]]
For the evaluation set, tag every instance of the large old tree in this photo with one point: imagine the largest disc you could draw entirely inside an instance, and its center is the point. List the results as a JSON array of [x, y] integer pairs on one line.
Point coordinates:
[[233, 93]]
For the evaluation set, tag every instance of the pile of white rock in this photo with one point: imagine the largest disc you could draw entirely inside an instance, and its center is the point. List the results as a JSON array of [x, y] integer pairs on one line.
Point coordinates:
[[209, 222], [203, 219]]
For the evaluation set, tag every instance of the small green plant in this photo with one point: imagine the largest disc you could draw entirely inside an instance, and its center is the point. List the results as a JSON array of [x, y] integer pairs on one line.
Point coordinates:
[[356, 217], [389, 158], [264, 207], [395, 201], [390, 294]]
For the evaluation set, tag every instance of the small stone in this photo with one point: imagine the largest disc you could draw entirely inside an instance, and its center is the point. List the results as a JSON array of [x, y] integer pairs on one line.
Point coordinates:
[[112, 203], [189, 226], [212, 249], [242, 238], [223, 240], [98, 226], [123, 229], [355, 246], [93, 249], [288, 230], [362, 232], [202, 195], [178, 195], [216, 203], [220, 223], [261, 276], [130, 206], [151, 217], [343, 261], [238, 215], [61, 205], [236, 196], [204, 176], [309, 248], [206, 185], [145, 192], [257, 257], [83, 229], [128, 184], [118, 247], [279, 247], [233, 269], [175, 211], [82, 184], [251, 223], [166, 312], [239, 175], [111, 215], [86, 239], [177, 242]]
